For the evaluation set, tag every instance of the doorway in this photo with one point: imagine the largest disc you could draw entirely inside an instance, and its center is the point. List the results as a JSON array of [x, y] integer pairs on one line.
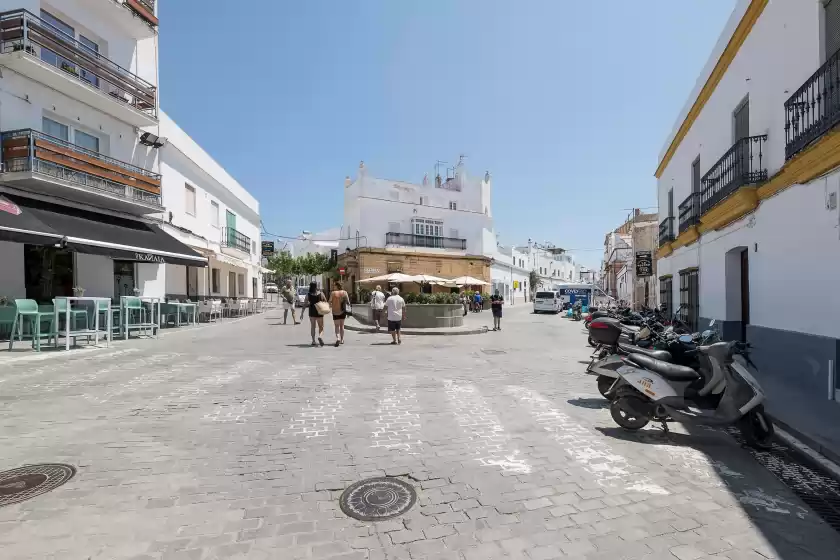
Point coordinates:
[[192, 283], [745, 293], [123, 278], [232, 284], [48, 273]]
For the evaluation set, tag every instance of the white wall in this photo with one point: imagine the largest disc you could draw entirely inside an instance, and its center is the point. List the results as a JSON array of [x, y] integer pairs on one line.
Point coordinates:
[[95, 274], [12, 282]]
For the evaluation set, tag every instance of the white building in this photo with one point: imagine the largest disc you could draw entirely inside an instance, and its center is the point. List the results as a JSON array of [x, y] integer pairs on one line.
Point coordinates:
[[211, 212], [445, 215], [511, 269], [748, 184], [322, 243]]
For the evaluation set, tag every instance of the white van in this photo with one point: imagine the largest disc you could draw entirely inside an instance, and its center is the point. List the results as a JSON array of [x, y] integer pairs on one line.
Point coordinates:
[[549, 302]]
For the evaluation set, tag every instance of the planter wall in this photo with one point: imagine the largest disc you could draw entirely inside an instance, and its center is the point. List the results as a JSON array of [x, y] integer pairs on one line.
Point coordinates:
[[418, 316]]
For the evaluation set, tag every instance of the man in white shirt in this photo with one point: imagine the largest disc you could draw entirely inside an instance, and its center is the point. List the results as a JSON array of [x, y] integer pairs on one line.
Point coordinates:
[[377, 304], [396, 313]]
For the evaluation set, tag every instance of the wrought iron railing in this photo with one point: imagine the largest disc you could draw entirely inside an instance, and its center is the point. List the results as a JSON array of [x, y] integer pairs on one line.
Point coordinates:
[[428, 241], [30, 161], [21, 31], [814, 108], [666, 231], [235, 240], [742, 164], [689, 211]]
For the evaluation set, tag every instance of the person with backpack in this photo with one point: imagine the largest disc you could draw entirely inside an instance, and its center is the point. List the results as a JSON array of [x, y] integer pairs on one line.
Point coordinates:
[[287, 292]]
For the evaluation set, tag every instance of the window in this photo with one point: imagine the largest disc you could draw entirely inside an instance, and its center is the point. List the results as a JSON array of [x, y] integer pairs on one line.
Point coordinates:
[[666, 296], [56, 25], [421, 201], [86, 140], [832, 27], [55, 129], [93, 48], [695, 176], [214, 214], [689, 297], [189, 200], [671, 202], [423, 226], [240, 284], [453, 205], [741, 118], [215, 280]]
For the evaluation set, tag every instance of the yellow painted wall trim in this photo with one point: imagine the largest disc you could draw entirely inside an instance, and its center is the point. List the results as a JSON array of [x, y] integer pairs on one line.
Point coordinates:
[[734, 207], [664, 251], [687, 237], [740, 35], [819, 158]]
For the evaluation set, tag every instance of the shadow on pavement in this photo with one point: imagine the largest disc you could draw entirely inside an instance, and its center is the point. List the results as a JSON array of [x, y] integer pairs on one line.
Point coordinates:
[[594, 403], [793, 531]]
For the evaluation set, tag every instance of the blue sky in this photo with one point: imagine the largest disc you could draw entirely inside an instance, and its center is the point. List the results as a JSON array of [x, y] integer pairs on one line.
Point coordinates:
[[566, 103]]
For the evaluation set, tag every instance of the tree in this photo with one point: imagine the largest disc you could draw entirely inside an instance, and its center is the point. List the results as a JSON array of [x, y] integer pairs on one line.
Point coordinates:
[[534, 280], [283, 264]]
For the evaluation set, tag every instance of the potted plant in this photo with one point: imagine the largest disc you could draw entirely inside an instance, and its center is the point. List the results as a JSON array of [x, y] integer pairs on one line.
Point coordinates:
[[78, 291], [69, 68], [136, 292], [4, 301]]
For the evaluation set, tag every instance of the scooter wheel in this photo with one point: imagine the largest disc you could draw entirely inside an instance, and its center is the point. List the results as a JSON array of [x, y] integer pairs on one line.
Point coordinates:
[[757, 429], [604, 385], [621, 410], [591, 342]]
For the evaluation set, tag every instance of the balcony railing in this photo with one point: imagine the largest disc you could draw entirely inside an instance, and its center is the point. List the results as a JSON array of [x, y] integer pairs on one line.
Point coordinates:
[[689, 211], [39, 153], [428, 241], [814, 108], [20, 31], [145, 9], [235, 240], [666, 231], [742, 164]]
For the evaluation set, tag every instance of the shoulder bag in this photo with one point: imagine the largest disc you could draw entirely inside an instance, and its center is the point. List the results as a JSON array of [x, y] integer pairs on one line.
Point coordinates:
[[322, 307]]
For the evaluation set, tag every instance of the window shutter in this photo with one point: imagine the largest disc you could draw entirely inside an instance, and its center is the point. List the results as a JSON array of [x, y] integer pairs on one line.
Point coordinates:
[[742, 121], [832, 27]]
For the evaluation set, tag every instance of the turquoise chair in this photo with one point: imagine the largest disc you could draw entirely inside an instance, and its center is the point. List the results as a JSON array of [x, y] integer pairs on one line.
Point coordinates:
[[133, 305], [102, 310], [28, 309], [75, 314]]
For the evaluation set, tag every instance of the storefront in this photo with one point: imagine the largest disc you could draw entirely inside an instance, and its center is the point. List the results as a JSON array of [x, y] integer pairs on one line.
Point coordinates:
[[48, 250]]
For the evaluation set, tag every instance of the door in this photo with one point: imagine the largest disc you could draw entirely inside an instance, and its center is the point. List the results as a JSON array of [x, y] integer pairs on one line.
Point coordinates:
[[670, 203], [232, 284], [192, 282], [832, 27], [230, 223], [741, 130], [123, 278], [745, 293], [254, 288]]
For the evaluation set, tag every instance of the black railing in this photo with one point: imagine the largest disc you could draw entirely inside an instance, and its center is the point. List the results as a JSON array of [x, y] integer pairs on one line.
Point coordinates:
[[742, 164], [235, 240], [30, 161], [814, 108], [689, 211], [21, 31], [428, 241], [666, 231]]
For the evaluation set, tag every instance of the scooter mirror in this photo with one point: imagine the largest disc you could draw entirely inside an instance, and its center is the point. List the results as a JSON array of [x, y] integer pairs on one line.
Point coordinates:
[[712, 323]]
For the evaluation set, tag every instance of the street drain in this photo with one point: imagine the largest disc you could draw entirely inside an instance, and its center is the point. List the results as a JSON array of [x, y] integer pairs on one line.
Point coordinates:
[[377, 499], [820, 492], [24, 483], [493, 351]]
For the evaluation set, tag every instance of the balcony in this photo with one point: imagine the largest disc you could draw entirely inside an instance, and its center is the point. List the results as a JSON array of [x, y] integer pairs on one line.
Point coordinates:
[[666, 231], [36, 162], [814, 108], [742, 164], [145, 9], [426, 241], [689, 212], [233, 239], [36, 49]]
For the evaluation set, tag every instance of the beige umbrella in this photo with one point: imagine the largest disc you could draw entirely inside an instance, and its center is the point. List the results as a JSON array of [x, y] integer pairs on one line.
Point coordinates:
[[426, 279], [395, 277], [468, 281]]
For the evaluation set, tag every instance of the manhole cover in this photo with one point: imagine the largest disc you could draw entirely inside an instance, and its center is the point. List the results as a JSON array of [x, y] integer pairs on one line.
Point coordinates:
[[377, 499], [493, 351], [21, 484]]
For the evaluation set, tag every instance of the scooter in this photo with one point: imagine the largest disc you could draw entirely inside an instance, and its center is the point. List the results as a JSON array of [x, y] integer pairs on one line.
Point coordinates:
[[650, 389]]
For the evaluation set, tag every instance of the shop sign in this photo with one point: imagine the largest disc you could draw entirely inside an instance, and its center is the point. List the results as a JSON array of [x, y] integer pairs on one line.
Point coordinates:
[[267, 248], [644, 264], [574, 291], [372, 270], [148, 257], [516, 284]]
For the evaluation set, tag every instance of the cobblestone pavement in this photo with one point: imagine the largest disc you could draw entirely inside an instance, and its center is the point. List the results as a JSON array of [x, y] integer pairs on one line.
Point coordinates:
[[235, 441]]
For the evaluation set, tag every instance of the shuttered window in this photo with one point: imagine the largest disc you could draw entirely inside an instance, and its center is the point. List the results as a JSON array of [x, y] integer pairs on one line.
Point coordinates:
[[832, 27], [666, 296], [742, 121], [695, 175], [690, 297]]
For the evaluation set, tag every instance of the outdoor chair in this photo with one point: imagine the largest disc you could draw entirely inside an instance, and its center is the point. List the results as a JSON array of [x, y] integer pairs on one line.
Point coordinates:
[[134, 307], [243, 307], [61, 310], [28, 309], [102, 307]]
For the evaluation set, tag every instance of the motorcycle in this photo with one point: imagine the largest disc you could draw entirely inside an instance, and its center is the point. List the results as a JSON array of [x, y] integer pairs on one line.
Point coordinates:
[[654, 390]]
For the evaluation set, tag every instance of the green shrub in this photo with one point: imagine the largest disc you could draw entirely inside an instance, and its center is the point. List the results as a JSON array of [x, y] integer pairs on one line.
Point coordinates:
[[364, 295], [410, 297]]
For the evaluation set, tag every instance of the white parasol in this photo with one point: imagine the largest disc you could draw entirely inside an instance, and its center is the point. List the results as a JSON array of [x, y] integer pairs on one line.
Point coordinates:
[[395, 277], [468, 281]]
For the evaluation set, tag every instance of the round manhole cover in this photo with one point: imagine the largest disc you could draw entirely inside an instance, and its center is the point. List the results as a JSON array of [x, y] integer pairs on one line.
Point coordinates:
[[21, 484], [377, 499]]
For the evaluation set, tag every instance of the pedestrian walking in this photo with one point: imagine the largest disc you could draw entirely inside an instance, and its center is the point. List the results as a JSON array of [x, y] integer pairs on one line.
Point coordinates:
[[288, 295], [477, 302], [377, 304], [465, 302], [339, 303], [496, 302], [396, 314], [316, 315]]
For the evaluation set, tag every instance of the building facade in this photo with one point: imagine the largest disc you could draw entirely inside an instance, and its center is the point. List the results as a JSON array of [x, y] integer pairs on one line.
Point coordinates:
[[748, 184], [632, 240]]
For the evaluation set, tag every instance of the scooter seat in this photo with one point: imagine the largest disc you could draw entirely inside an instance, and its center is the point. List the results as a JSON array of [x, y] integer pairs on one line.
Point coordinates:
[[662, 355], [672, 372]]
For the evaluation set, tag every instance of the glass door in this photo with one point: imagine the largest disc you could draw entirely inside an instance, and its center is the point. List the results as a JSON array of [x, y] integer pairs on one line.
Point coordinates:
[[123, 278]]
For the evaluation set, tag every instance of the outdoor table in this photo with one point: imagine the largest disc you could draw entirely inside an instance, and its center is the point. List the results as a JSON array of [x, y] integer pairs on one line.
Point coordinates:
[[188, 307], [93, 304], [152, 302]]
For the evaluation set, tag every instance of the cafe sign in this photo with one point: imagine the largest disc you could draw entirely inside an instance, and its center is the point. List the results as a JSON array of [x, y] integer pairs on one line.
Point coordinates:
[[644, 264]]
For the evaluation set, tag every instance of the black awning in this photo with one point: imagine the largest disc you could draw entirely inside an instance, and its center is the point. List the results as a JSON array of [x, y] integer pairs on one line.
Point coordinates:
[[25, 220]]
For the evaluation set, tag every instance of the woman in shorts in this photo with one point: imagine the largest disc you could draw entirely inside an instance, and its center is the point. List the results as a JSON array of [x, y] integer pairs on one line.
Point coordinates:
[[339, 300]]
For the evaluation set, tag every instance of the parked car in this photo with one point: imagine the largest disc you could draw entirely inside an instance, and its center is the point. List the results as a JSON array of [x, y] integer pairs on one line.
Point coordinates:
[[548, 302], [271, 288], [302, 292]]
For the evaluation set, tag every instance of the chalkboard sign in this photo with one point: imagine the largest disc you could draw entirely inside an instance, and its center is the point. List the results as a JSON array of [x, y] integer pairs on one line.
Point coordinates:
[[644, 264]]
